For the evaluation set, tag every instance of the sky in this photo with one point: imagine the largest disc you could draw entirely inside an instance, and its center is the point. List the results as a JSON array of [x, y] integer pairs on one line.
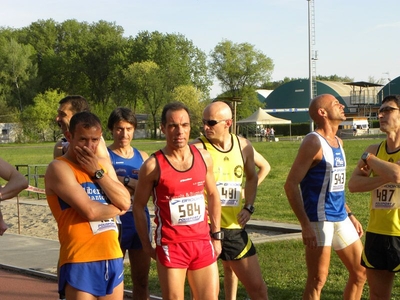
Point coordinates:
[[356, 38]]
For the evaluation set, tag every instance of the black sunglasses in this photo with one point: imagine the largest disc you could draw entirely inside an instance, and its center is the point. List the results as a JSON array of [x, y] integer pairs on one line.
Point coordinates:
[[386, 109], [212, 122]]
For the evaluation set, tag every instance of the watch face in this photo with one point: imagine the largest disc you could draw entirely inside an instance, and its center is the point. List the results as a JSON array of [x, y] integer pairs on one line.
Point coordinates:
[[99, 174], [365, 156], [250, 208]]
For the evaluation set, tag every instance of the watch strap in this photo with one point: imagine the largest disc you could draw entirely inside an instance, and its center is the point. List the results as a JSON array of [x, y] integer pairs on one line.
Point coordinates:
[[249, 208], [126, 180], [219, 235]]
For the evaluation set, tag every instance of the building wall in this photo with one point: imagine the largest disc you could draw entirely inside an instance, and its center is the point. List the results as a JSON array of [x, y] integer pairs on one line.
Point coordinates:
[[393, 87], [296, 95], [8, 132]]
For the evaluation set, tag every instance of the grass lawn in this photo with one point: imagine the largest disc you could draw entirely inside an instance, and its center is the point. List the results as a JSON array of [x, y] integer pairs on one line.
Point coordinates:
[[282, 262]]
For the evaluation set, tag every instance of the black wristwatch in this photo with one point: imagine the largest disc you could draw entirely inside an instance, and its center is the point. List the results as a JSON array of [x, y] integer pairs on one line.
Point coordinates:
[[250, 208], [99, 174], [219, 235], [126, 180], [365, 156]]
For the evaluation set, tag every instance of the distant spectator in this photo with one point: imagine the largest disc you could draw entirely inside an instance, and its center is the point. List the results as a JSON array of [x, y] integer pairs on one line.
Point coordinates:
[[267, 133], [272, 134]]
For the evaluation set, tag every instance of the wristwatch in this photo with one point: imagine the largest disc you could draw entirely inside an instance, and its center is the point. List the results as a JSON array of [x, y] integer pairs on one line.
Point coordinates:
[[99, 174], [126, 180], [365, 156], [219, 235], [250, 208]]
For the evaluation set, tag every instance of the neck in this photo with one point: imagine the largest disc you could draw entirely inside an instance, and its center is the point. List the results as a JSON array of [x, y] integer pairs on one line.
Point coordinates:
[[225, 143], [125, 151], [70, 157]]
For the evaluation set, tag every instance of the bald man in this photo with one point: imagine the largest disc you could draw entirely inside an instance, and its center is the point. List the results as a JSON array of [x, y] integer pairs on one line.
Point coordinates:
[[320, 206], [233, 158]]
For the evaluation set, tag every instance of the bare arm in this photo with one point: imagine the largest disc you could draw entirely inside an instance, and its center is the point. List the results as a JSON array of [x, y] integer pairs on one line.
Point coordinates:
[[263, 166], [250, 186], [58, 149], [148, 176], [213, 200], [60, 180], [308, 155], [16, 182], [361, 181], [115, 190]]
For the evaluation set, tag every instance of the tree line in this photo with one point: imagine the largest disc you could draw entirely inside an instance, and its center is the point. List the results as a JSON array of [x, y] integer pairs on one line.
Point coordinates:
[[41, 63]]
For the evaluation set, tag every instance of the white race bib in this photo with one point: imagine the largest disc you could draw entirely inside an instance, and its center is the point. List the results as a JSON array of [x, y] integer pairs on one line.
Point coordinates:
[[229, 193], [187, 210], [102, 226], [386, 197], [337, 180]]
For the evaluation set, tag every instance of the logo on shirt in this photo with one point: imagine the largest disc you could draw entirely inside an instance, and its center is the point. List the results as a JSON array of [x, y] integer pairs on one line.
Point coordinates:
[[238, 171], [339, 162]]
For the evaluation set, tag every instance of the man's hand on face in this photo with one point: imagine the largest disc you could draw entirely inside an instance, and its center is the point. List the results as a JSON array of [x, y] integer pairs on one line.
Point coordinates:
[[87, 159]]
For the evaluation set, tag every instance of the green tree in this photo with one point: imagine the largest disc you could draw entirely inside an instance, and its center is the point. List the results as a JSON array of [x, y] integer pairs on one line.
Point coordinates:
[[39, 119], [17, 72], [148, 82], [237, 66], [194, 100], [175, 55], [334, 78], [43, 36]]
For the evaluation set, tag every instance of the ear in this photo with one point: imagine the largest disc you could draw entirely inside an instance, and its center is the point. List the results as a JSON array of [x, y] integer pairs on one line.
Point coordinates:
[[322, 112], [229, 122], [162, 128], [68, 136]]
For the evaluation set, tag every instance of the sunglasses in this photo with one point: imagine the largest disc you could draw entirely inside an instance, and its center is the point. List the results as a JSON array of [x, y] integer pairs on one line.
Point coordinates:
[[212, 123], [387, 109]]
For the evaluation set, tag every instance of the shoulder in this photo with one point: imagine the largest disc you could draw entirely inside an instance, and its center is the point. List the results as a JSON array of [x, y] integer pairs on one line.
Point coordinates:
[[198, 143], [311, 139], [311, 147], [206, 157], [143, 154], [58, 169], [373, 148], [245, 145]]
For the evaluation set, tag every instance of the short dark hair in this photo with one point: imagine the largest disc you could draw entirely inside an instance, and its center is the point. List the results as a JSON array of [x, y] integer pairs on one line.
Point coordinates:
[[86, 118], [78, 103], [121, 114], [395, 98], [173, 106]]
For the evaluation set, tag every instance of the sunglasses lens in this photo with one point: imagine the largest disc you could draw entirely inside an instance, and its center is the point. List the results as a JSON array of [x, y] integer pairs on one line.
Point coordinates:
[[210, 122]]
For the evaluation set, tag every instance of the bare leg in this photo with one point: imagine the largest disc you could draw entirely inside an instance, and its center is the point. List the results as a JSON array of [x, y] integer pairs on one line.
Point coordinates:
[[74, 294], [351, 258], [204, 282], [249, 273], [317, 261], [140, 266], [380, 284], [230, 282], [172, 282]]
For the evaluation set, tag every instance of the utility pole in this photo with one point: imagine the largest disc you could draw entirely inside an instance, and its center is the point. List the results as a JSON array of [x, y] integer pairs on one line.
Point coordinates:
[[311, 58]]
